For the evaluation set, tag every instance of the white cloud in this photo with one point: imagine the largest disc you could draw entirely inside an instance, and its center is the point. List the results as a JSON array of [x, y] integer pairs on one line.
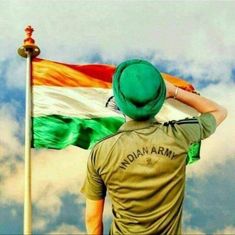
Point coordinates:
[[196, 38], [194, 231], [206, 71], [40, 223], [107, 209], [16, 74], [198, 34], [218, 148], [229, 230], [53, 174], [13, 212], [66, 229], [16, 178], [10, 145], [11, 148], [187, 219]]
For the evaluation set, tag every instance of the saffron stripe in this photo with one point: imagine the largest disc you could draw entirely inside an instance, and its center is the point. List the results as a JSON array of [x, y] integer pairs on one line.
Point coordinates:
[[178, 82], [100, 71], [50, 73]]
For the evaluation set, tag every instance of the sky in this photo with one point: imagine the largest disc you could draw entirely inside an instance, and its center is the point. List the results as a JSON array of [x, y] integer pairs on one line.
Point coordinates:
[[194, 40]]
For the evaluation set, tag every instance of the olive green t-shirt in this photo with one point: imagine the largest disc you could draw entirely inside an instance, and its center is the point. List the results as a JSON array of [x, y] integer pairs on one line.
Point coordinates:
[[143, 169]]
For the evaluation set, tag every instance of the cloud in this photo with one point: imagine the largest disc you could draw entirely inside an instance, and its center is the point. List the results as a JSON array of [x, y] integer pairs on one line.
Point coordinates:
[[40, 223], [196, 44], [202, 71], [15, 74], [227, 230], [193, 231], [11, 148], [194, 40], [53, 174], [217, 149], [13, 212], [187, 225], [108, 208], [209, 200], [10, 145], [66, 229], [200, 32]]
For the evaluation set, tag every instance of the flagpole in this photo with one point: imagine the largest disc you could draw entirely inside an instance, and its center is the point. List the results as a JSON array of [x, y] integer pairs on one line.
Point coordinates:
[[28, 50]]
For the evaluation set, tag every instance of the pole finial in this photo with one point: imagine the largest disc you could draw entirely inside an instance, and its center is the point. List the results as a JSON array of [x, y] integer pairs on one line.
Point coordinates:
[[29, 46], [29, 40]]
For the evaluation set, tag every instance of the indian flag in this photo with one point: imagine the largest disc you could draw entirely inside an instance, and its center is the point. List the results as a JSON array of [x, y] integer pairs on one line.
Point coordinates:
[[73, 104], [70, 104]]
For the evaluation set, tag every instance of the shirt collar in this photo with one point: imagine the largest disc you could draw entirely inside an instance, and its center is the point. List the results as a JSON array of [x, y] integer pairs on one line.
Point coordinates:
[[134, 125]]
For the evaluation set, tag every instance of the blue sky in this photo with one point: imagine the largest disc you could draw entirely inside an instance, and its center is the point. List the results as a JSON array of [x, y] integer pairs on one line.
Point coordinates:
[[191, 39]]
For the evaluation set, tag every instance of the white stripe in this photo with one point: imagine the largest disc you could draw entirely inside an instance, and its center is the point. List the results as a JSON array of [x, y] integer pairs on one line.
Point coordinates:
[[175, 110], [90, 102], [73, 102]]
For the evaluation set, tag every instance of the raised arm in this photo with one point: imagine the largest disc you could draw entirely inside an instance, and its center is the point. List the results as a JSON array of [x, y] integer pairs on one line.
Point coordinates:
[[200, 103], [94, 216]]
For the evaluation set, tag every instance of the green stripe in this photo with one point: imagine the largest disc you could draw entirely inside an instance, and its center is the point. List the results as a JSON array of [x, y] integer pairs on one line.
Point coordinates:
[[58, 132], [193, 153]]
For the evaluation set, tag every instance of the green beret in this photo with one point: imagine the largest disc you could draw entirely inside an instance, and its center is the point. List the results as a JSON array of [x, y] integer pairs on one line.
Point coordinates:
[[139, 89]]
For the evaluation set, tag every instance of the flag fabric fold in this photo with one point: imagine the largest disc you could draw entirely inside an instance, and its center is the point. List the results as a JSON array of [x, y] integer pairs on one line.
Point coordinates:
[[73, 105]]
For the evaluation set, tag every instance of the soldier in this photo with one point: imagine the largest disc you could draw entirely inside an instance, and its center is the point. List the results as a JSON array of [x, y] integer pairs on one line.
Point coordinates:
[[142, 167]]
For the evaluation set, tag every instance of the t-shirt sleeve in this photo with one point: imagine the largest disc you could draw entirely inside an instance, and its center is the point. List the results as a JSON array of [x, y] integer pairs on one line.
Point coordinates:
[[195, 129], [93, 187]]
